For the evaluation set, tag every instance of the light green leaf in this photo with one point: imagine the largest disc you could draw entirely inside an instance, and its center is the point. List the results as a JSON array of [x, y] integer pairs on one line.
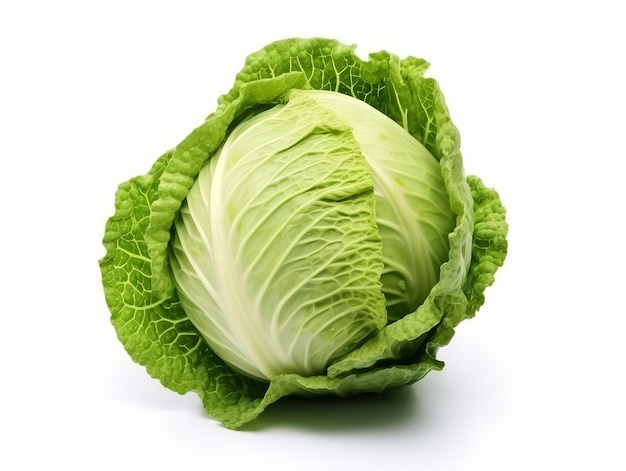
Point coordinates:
[[277, 256]]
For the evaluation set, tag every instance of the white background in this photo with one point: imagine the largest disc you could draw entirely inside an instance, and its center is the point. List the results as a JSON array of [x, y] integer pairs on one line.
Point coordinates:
[[91, 93]]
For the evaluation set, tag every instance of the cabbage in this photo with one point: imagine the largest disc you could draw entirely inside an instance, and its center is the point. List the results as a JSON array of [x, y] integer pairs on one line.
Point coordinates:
[[315, 235]]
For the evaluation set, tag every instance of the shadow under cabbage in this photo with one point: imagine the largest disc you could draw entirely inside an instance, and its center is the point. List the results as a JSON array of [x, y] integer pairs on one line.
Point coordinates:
[[334, 414]]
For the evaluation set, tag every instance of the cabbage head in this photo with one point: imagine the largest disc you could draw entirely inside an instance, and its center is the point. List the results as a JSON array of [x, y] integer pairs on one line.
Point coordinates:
[[316, 234]]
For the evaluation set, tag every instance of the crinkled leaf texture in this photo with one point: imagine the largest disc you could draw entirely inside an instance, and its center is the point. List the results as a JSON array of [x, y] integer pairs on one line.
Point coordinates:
[[138, 285], [276, 252]]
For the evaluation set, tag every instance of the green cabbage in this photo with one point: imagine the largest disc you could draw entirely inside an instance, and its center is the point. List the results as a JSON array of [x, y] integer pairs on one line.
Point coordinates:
[[315, 235]]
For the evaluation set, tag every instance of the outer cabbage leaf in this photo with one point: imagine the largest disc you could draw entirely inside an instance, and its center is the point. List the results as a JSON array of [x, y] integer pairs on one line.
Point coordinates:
[[139, 288]]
